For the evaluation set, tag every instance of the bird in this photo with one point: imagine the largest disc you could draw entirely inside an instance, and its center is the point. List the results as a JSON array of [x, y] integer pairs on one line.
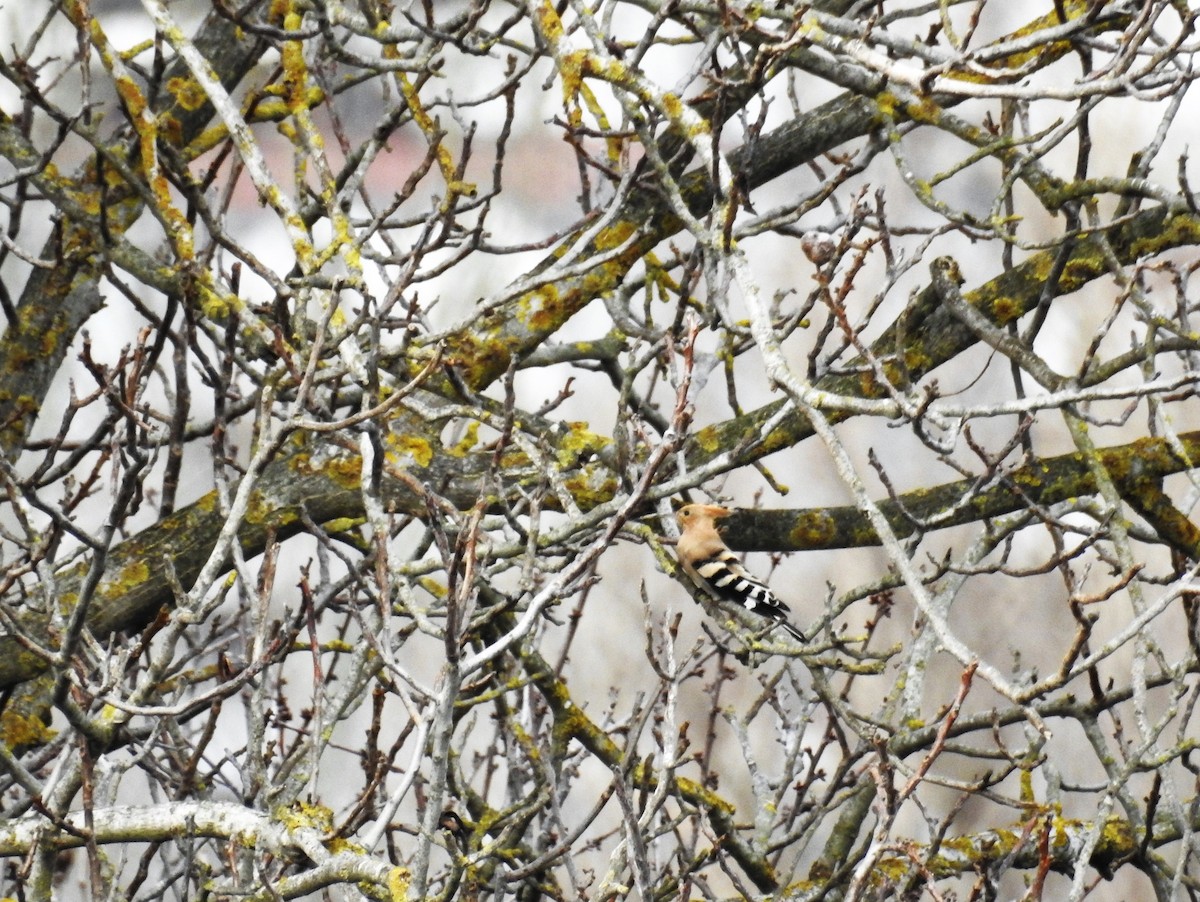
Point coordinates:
[[449, 821], [713, 567]]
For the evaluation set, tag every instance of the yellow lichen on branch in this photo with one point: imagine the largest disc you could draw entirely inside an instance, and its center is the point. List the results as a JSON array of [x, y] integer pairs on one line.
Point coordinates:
[[175, 224]]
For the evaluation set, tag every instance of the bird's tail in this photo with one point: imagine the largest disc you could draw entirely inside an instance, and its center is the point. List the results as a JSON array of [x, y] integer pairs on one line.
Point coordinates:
[[796, 634]]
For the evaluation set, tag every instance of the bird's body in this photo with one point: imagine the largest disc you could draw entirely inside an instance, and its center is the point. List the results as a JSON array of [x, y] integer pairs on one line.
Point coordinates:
[[713, 567]]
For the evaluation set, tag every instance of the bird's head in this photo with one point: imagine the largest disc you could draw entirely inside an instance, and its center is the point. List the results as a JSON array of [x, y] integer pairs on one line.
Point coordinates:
[[695, 513]]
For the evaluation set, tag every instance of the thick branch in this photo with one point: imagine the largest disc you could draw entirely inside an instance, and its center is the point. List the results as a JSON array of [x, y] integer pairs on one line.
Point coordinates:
[[1133, 467], [927, 335], [57, 302]]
